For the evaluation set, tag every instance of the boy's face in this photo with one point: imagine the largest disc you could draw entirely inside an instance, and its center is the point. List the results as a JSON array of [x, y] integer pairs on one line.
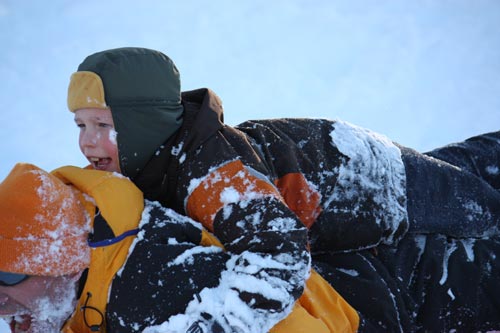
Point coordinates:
[[98, 138], [39, 304]]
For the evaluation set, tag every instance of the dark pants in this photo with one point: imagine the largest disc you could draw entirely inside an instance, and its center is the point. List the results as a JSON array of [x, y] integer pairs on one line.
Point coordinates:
[[444, 275], [428, 283], [454, 190]]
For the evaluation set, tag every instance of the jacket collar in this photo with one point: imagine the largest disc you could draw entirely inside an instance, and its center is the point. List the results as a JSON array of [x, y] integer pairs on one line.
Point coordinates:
[[203, 117]]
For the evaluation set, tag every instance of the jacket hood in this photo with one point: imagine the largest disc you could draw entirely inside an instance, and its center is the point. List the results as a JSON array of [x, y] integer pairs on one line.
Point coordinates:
[[142, 89]]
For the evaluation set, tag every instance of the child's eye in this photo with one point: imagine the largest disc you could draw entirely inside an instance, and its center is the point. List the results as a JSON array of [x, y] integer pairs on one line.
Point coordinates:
[[80, 125], [104, 125]]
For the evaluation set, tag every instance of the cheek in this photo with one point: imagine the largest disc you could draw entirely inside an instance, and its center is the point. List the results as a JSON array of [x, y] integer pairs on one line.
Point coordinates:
[[110, 146], [100, 138]]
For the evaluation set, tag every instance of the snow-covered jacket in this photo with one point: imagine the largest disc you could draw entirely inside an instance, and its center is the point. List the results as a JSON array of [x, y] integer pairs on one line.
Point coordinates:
[[236, 180], [150, 266], [357, 192], [259, 185]]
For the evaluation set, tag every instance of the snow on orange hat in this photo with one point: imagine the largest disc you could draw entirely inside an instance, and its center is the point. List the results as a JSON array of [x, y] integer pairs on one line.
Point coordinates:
[[43, 224]]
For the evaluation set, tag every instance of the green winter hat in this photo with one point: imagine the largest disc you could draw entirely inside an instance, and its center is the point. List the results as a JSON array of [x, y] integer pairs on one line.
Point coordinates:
[[142, 89]]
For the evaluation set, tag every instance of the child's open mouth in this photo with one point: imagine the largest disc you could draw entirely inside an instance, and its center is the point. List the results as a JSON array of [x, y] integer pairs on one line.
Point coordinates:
[[100, 163]]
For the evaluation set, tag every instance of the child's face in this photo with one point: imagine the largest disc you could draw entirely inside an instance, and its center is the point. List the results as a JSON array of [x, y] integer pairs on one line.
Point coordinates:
[[98, 138]]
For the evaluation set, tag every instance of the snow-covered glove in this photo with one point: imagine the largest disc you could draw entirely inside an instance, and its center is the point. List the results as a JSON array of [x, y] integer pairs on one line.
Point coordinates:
[[206, 325]]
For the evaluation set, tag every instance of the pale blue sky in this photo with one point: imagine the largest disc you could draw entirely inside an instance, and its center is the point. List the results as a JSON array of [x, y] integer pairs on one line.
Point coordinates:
[[424, 73]]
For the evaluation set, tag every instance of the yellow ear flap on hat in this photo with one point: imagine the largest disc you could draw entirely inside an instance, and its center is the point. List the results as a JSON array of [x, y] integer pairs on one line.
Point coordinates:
[[86, 90]]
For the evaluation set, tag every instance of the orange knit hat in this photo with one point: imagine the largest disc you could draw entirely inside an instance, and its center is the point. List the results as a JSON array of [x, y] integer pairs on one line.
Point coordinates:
[[43, 224]]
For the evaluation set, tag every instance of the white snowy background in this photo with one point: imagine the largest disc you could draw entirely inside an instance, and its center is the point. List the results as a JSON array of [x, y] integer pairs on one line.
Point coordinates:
[[423, 72]]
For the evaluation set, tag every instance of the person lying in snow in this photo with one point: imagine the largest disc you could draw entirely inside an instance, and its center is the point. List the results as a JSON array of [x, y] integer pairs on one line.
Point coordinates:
[[358, 193], [140, 276], [148, 275]]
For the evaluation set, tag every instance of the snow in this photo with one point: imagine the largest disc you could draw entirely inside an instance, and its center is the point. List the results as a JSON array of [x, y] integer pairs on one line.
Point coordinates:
[[145, 219], [223, 301], [188, 255], [374, 168], [350, 272], [112, 136], [475, 211], [54, 312], [450, 293], [229, 195], [492, 170], [451, 248], [177, 149], [4, 327], [56, 228], [242, 273], [468, 245]]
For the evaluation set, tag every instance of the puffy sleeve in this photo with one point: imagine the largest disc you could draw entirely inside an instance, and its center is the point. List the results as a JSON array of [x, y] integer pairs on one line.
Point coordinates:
[[268, 259]]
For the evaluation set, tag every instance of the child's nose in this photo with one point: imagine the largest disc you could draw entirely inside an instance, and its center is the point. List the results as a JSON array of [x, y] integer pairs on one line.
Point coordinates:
[[89, 139]]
